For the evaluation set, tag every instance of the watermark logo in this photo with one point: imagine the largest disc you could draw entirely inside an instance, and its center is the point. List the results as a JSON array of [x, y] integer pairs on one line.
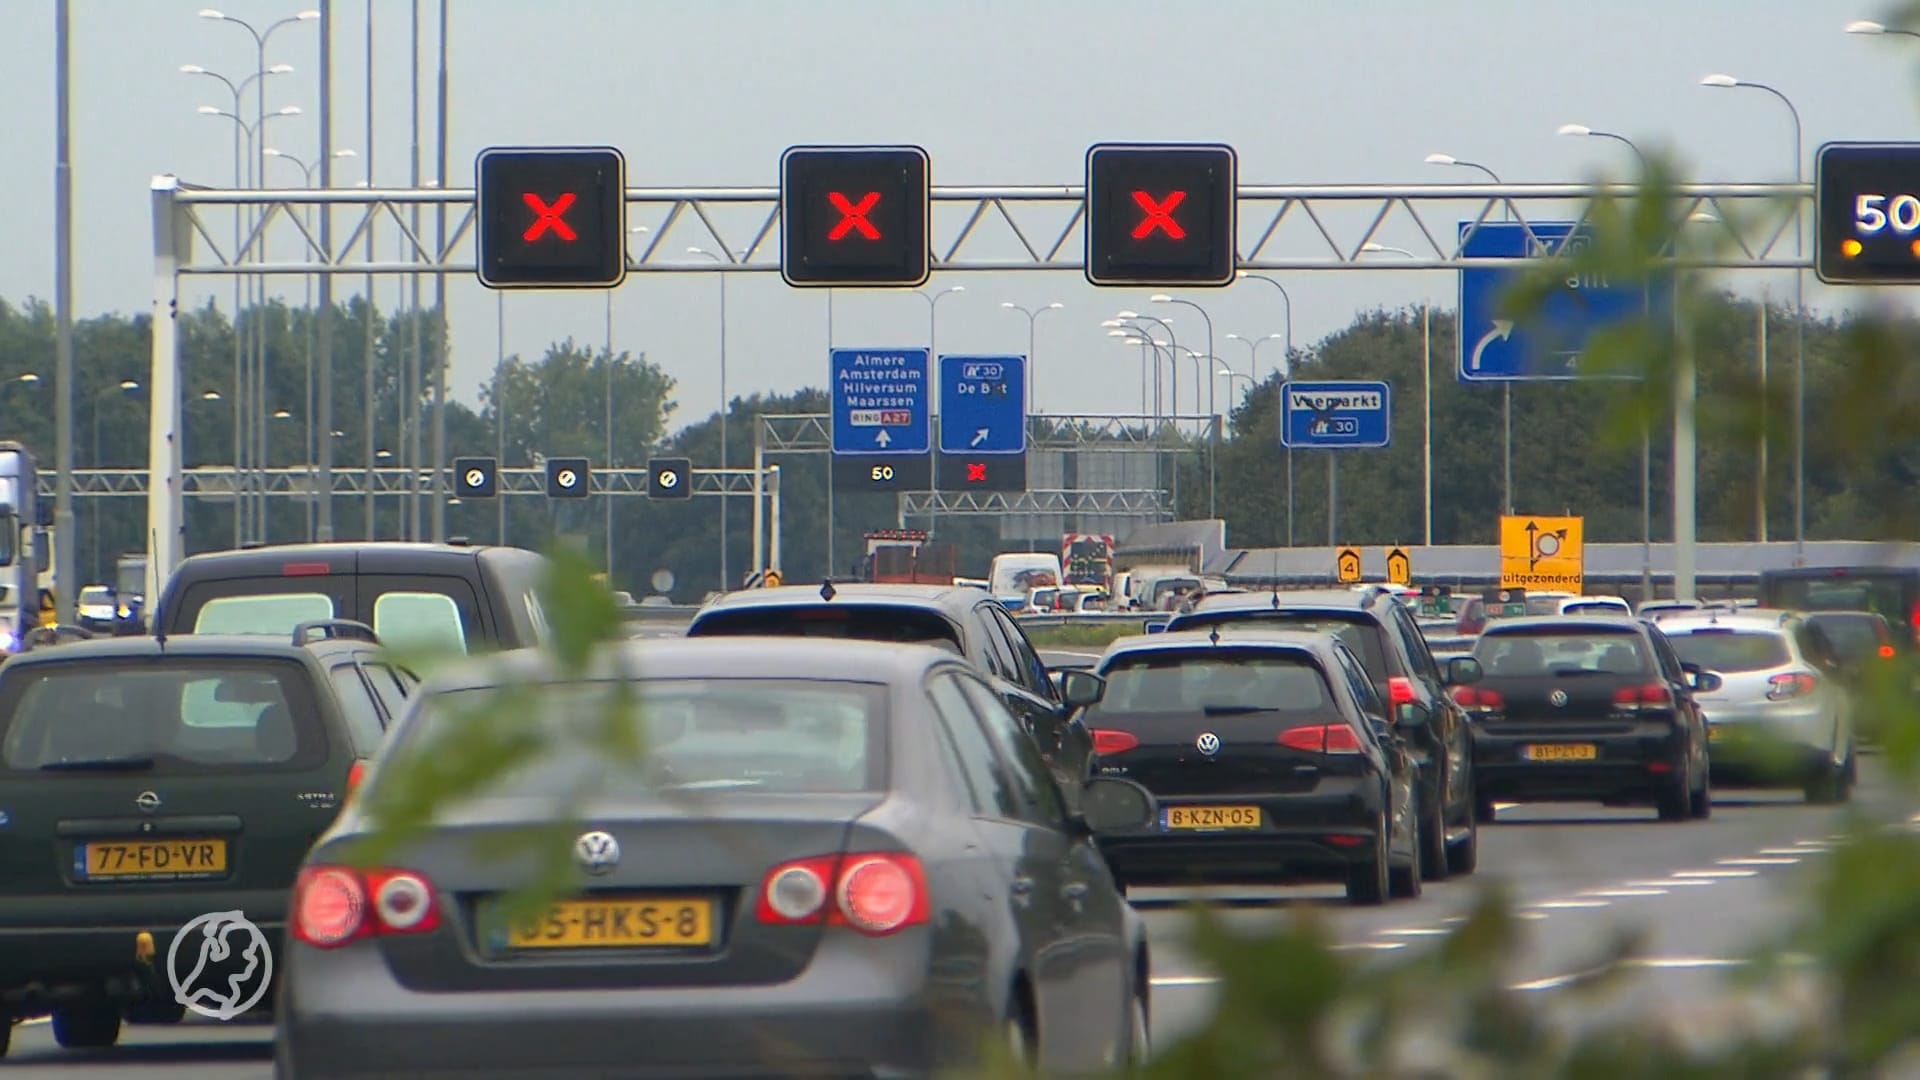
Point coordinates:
[[219, 965]]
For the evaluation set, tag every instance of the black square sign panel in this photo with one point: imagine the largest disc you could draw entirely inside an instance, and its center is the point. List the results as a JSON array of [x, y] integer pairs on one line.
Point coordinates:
[[569, 478], [855, 215], [1161, 214], [1867, 214], [891, 473], [669, 478], [551, 218], [476, 477], [981, 472]]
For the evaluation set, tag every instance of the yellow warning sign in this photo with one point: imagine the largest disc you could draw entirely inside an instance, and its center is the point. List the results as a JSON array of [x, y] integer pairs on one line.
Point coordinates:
[[1346, 565], [1541, 554], [1399, 566]]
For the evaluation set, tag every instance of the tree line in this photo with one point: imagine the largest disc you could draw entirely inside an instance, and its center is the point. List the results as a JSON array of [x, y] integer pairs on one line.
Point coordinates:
[[1576, 446]]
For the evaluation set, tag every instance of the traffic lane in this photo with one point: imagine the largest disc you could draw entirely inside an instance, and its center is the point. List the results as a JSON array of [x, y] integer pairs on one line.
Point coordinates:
[[1551, 859], [194, 1049]]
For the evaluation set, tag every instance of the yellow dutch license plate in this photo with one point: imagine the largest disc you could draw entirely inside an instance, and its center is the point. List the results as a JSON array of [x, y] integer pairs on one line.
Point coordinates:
[[153, 859], [1562, 752], [1213, 817], [617, 924]]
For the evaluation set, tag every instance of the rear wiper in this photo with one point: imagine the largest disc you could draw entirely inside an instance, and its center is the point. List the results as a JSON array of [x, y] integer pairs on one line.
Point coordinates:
[[120, 764], [1235, 710]]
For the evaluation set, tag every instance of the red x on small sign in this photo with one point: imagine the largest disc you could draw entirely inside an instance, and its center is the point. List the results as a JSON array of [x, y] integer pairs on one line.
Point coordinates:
[[976, 472]]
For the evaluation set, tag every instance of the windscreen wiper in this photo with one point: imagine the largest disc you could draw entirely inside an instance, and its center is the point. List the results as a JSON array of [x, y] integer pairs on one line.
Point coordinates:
[[1235, 710], [120, 764]]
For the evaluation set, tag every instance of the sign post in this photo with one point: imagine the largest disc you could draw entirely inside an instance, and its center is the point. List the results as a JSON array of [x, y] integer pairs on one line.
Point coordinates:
[[882, 430], [983, 424]]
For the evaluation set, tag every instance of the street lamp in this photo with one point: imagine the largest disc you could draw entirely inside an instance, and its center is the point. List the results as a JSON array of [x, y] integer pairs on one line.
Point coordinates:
[[1868, 26], [125, 386], [1213, 410], [1725, 81], [1033, 315], [1426, 409], [725, 404]]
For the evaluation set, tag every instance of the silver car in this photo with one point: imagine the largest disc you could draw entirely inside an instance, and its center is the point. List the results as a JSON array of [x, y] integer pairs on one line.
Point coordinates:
[[1780, 682]]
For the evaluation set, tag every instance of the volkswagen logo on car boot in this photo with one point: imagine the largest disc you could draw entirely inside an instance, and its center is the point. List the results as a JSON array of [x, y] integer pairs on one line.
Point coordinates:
[[1208, 743], [596, 852], [1559, 699]]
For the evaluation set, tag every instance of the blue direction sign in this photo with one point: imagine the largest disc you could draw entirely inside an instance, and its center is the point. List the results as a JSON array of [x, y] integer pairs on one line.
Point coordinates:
[[983, 405], [1336, 415], [1494, 348], [880, 400]]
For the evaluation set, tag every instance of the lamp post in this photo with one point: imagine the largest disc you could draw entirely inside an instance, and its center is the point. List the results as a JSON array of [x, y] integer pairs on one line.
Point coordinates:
[[125, 386], [1173, 400], [1033, 315], [1213, 410], [1582, 131], [1278, 419], [1426, 397], [1869, 27], [1130, 335], [1133, 335], [1723, 81], [1506, 386], [725, 404]]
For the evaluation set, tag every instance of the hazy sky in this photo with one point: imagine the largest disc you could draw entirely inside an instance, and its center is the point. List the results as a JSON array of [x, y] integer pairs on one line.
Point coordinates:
[[1001, 92]]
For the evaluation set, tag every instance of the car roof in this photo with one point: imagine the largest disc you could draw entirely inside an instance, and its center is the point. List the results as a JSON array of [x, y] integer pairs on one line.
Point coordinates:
[[1812, 615], [746, 657], [181, 645], [927, 597], [1319, 644], [1750, 619], [1572, 624], [1306, 599], [367, 556]]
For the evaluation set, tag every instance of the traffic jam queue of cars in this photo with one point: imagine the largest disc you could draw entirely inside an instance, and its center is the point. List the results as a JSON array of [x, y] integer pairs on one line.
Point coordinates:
[[872, 832]]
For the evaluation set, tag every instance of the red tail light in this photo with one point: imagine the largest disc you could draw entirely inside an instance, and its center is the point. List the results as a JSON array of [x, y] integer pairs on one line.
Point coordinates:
[[1788, 687], [337, 905], [1322, 739], [876, 893], [1652, 695], [1109, 741], [354, 775], [1478, 697], [1913, 620], [1399, 691], [1886, 652], [306, 569]]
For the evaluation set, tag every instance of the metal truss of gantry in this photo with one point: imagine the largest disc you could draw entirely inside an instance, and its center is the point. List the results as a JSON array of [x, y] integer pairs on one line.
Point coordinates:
[[1140, 503], [1296, 228], [217, 481]]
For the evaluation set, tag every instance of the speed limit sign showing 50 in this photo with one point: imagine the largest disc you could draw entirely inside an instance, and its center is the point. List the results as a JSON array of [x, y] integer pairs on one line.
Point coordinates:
[[670, 478], [476, 477]]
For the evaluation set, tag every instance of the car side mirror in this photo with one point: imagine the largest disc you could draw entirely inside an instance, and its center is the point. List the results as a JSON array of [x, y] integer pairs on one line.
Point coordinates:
[[1080, 689], [1113, 804], [1706, 682], [1411, 714], [1381, 729], [1463, 671]]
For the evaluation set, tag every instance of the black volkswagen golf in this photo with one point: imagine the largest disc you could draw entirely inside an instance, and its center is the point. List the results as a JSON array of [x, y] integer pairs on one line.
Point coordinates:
[[1588, 708], [1271, 758]]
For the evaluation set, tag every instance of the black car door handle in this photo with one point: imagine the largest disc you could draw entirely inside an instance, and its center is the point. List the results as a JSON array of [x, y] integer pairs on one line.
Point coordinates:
[[1075, 891], [1022, 886]]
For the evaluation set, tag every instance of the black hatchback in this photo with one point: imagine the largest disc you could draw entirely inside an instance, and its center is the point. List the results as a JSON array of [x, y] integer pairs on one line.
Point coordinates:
[[1588, 708], [1271, 758], [147, 783]]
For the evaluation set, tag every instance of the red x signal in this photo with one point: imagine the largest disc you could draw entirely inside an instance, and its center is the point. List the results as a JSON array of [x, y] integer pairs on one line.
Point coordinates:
[[976, 472], [549, 216], [1159, 215], [853, 215]]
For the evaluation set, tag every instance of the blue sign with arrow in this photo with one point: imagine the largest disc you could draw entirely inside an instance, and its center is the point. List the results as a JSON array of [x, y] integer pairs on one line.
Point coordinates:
[[1494, 348], [1336, 415], [983, 405], [880, 402]]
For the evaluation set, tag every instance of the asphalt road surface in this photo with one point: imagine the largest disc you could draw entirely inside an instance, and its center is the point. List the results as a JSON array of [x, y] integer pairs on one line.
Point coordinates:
[[1702, 893]]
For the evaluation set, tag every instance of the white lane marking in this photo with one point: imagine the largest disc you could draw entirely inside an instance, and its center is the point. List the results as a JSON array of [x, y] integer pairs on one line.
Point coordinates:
[[1796, 851], [1416, 931], [1511, 805], [1183, 980], [1615, 893], [1815, 845], [1666, 883], [1760, 861], [1716, 873], [1376, 946], [1554, 982], [1454, 920], [1531, 916], [1914, 818], [1559, 905]]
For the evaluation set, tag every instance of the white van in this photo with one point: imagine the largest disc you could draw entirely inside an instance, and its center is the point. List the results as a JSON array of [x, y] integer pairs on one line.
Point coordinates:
[[1013, 575]]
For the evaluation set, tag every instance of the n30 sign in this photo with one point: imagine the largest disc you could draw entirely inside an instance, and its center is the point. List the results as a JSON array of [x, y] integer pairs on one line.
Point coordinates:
[[551, 217], [1867, 213], [1162, 214], [855, 216]]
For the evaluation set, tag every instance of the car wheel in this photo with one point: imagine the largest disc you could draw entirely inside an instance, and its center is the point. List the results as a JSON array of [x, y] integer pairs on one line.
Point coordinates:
[[1829, 785], [1404, 881], [1433, 838], [1463, 855], [1139, 1033], [1483, 810], [1700, 799], [88, 1026], [1022, 1041], [6, 1033], [1675, 801], [1369, 883]]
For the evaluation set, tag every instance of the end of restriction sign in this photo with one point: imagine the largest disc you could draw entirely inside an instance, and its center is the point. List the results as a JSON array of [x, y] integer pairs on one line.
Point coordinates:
[[476, 477], [569, 478], [670, 478]]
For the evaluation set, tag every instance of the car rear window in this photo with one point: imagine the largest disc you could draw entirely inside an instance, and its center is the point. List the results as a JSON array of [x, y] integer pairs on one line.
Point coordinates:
[[1358, 632], [747, 736], [269, 613], [1223, 679], [1595, 607], [856, 622], [1854, 637], [419, 620], [182, 716], [1881, 594], [1731, 651], [1562, 653]]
